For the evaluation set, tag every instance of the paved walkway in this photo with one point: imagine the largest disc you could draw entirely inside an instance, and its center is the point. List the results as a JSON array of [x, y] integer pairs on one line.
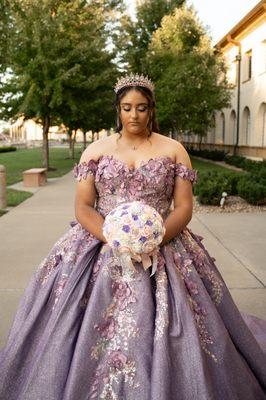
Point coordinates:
[[29, 230]]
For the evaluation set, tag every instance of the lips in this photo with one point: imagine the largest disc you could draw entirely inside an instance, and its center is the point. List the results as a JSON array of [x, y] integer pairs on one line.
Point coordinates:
[[134, 123]]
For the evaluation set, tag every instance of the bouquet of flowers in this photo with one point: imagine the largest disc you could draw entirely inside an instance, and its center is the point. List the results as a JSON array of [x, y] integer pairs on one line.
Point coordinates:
[[134, 230]]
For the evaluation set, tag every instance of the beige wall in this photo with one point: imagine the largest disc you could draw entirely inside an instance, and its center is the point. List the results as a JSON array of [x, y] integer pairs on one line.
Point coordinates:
[[252, 131]]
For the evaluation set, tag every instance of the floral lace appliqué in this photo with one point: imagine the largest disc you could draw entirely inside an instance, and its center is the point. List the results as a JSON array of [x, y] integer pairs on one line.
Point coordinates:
[[162, 316], [186, 264], [116, 329], [84, 168], [66, 252], [184, 172]]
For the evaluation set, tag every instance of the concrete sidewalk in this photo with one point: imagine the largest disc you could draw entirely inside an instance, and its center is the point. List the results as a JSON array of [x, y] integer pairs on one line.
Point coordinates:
[[237, 241]]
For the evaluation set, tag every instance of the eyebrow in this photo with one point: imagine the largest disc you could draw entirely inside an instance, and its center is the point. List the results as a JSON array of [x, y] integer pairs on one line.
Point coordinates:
[[139, 104]]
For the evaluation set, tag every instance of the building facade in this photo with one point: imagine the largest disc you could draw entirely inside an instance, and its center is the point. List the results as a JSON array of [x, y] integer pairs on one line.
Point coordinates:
[[27, 131], [244, 47]]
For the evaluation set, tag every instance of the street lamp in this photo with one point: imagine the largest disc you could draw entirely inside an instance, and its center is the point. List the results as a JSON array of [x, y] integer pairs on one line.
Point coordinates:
[[238, 59]]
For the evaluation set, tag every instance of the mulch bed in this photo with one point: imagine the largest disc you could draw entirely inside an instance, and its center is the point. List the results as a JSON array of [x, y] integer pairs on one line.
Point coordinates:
[[233, 204]]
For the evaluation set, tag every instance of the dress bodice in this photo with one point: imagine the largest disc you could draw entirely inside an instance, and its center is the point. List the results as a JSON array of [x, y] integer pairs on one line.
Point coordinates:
[[152, 182]]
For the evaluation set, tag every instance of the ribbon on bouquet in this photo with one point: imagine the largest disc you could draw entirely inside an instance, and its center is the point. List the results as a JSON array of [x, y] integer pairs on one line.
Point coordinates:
[[144, 258]]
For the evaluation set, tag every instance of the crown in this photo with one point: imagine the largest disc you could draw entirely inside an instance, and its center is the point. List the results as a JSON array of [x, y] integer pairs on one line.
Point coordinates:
[[134, 80]]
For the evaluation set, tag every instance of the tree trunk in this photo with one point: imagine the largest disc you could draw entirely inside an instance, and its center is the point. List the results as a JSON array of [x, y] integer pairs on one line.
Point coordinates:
[[69, 133], [200, 141], [84, 140], [73, 144], [45, 147]]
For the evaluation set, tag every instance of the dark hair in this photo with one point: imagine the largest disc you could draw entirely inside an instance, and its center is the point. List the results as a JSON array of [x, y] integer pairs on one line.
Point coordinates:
[[152, 123]]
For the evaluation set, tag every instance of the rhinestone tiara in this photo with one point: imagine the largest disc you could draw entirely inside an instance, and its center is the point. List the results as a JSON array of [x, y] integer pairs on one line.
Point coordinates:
[[134, 80]]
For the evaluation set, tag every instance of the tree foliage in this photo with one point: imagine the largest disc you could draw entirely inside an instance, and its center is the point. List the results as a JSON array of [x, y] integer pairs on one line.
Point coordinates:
[[133, 39], [190, 77], [58, 67]]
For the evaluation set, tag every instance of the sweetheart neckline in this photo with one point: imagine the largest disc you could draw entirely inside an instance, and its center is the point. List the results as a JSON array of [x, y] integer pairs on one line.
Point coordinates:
[[180, 169], [142, 163]]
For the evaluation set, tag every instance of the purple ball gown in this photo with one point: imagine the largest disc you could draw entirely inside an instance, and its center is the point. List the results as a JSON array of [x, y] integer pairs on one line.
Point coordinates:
[[87, 328]]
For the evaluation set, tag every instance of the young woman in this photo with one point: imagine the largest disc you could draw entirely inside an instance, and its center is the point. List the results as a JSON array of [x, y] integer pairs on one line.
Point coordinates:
[[86, 329]]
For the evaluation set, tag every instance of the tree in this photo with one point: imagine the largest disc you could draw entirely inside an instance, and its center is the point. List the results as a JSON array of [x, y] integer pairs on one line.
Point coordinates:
[[57, 60], [133, 38], [4, 26], [190, 77]]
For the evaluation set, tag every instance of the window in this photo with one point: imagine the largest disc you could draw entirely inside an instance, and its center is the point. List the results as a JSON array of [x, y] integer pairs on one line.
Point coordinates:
[[232, 72], [246, 139], [262, 57], [262, 123], [232, 128], [247, 65], [223, 127], [212, 130]]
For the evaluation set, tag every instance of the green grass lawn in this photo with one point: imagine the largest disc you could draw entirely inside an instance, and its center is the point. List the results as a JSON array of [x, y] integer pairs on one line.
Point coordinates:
[[201, 166], [15, 197], [18, 161]]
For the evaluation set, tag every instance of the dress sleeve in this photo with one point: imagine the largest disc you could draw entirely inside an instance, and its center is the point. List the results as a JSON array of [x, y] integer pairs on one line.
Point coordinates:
[[84, 168], [184, 172]]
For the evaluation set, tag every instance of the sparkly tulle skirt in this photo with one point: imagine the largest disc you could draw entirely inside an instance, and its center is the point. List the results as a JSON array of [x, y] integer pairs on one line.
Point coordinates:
[[88, 328]]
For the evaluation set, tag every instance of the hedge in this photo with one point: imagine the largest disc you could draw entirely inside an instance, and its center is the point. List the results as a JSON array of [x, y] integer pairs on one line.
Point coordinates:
[[250, 186], [6, 149], [216, 155], [237, 161]]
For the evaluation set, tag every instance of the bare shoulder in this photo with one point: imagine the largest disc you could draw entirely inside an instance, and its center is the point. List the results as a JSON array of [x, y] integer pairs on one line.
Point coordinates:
[[182, 155], [175, 149], [95, 150]]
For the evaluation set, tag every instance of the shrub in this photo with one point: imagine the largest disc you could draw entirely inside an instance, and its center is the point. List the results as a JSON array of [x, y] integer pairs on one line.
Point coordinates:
[[6, 149], [211, 185], [237, 161], [251, 187], [216, 155], [254, 166], [250, 190], [259, 176], [233, 181], [245, 163]]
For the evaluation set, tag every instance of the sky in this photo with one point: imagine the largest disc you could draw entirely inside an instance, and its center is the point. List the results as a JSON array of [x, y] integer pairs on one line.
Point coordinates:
[[219, 15]]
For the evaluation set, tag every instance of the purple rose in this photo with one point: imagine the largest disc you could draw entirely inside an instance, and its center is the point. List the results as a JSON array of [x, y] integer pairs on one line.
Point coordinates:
[[126, 228], [107, 328], [142, 239], [117, 359], [149, 222], [122, 293], [121, 290], [192, 287]]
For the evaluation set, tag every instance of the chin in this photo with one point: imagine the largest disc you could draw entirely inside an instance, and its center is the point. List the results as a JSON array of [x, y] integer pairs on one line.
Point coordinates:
[[135, 129]]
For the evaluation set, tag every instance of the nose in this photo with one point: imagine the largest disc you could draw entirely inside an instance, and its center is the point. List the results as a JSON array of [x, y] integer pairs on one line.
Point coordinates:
[[134, 113]]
